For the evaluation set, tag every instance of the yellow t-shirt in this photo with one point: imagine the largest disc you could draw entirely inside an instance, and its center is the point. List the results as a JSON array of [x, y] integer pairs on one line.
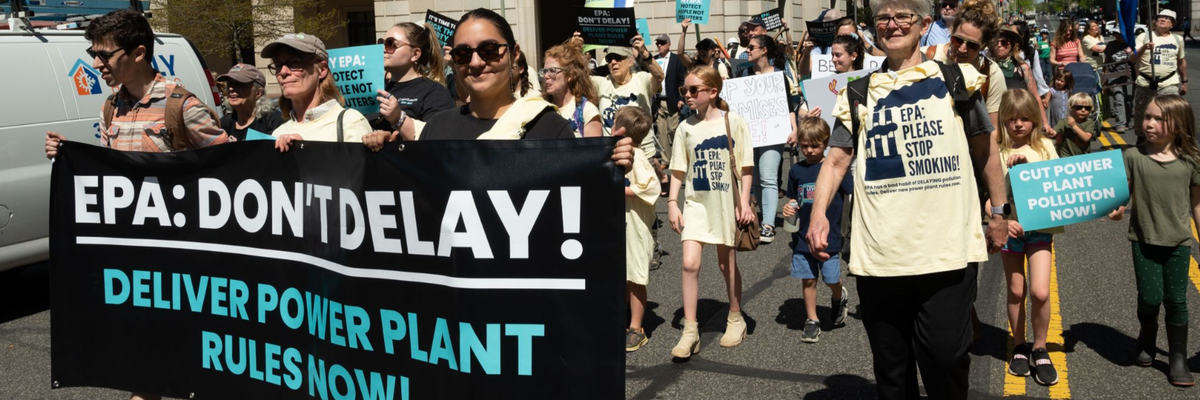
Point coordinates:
[[995, 78], [590, 112], [639, 215], [701, 152], [1092, 58], [1168, 50], [916, 200], [320, 124], [1032, 156], [638, 91]]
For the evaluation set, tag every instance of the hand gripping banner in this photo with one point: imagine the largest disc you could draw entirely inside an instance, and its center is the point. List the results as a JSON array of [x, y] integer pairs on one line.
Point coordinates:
[[451, 270]]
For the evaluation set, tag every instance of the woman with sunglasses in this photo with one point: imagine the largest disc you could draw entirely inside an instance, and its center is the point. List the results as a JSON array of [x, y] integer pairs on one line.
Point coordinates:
[[1017, 72], [568, 87], [712, 149], [708, 52], [412, 57], [311, 103], [975, 25], [485, 68], [1066, 46], [762, 50]]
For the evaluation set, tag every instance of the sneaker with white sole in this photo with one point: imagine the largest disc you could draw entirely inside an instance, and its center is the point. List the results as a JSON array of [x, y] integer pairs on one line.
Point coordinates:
[[812, 332], [838, 309], [1018, 365], [1043, 369], [767, 234], [635, 339]]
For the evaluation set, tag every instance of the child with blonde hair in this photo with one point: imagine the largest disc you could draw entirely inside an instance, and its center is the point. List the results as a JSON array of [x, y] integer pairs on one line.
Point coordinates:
[[1164, 199], [1022, 141], [641, 192], [1076, 131]]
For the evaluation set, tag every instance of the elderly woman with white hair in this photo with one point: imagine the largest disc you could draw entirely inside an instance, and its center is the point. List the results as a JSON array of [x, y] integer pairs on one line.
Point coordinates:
[[245, 87]]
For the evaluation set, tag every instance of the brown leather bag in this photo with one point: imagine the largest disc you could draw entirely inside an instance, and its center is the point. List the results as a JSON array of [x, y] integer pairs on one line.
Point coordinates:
[[747, 236]]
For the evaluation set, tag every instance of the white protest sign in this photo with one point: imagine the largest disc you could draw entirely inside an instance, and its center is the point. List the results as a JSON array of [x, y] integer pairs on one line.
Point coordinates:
[[762, 101], [823, 92], [822, 64]]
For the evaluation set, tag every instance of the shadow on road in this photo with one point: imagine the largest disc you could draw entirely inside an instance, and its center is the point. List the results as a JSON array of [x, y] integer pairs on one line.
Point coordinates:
[[792, 315], [24, 291], [844, 386], [708, 313], [651, 321], [1114, 346], [993, 341]]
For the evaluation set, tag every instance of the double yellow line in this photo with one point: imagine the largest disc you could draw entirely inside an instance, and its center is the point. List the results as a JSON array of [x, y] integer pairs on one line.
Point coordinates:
[[1016, 385], [1116, 139]]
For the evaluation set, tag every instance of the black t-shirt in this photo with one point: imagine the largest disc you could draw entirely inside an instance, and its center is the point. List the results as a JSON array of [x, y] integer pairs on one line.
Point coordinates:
[[459, 124], [265, 124], [419, 98]]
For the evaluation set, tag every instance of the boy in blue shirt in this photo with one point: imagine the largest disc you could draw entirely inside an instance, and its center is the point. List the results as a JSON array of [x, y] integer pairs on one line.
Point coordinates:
[[802, 180]]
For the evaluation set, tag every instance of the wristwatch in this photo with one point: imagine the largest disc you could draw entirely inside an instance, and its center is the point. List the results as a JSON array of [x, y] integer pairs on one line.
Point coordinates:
[[1003, 209]]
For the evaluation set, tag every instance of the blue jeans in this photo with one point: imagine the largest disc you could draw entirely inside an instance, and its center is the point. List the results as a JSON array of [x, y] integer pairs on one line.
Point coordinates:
[[768, 160]]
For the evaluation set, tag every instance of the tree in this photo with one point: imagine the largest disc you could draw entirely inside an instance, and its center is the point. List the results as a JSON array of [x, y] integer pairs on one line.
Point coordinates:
[[227, 27]]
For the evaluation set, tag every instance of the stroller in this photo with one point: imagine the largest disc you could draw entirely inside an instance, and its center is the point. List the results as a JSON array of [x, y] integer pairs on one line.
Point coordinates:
[[1086, 81]]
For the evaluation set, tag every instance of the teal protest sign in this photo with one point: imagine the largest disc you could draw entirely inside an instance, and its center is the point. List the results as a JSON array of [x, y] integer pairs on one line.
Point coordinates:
[[358, 72], [1068, 190], [697, 10], [643, 27], [253, 134]]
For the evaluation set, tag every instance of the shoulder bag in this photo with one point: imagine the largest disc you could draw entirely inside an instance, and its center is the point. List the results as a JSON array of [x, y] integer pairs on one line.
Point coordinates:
[[747, 236]]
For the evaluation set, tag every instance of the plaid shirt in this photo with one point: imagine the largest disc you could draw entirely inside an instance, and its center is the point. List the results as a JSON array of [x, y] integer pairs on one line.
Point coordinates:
[[140, 125]]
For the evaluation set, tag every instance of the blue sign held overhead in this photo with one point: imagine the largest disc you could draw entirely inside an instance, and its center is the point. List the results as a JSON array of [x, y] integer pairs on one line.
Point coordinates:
[[1065, 191], [643, 27], [697, 10], [358, 72]]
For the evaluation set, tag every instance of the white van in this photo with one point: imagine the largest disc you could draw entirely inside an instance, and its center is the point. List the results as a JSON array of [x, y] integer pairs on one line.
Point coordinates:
[[49, 84]]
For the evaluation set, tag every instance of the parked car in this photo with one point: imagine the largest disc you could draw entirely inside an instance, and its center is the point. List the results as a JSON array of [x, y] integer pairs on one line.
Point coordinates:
[[54, 88], [1111, 28]]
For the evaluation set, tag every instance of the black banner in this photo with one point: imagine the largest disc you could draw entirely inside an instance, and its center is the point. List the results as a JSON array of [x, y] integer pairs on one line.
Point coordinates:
[[607, 26], [444, 25], [436, 270], [772, 19]]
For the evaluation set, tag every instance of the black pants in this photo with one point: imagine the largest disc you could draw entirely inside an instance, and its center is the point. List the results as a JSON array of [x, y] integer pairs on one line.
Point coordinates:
[[922, 320]]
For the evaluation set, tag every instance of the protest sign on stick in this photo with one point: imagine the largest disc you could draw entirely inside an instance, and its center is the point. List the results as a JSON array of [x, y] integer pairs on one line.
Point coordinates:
[[772, 19], [1068, 190], [822, 64], [697, 10], [444, 25], [822, 32], [358, 72], [444, 270], [763, 102], [606, 26], [643, 27], [822, 92]]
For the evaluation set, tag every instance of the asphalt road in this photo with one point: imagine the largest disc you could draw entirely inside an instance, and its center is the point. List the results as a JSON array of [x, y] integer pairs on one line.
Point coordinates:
[[1094, 308]]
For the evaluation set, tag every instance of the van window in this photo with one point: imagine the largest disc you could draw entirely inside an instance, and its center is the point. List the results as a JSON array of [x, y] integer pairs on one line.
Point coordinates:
[[30, 86]]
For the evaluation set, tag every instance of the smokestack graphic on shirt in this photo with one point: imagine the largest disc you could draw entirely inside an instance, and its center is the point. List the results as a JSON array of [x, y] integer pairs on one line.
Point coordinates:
[[883, 156]]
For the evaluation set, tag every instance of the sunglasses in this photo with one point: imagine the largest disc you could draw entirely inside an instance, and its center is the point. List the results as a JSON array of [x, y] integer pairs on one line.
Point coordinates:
[[1004, 42], [488, 52], [691, 90], [390, 45], [951, 5], [102, 55], [294, 64], [957, 41], [1081, 108], [660, 43]]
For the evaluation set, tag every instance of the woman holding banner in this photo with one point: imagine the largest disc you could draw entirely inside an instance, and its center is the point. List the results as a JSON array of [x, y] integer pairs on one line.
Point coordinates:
[[412, 56], [569, 88], [311, 103], [762, 50]]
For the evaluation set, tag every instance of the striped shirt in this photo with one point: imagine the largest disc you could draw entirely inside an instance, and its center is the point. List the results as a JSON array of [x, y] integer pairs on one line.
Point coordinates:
[[140, 125]]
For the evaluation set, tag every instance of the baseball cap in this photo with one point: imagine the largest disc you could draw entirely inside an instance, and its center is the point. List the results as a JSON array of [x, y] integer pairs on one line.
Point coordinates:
[[244, 73], [620, 51], [663, 38], [706, 44], [832, 15], [300, 41], [1166, 13], [755, 20]]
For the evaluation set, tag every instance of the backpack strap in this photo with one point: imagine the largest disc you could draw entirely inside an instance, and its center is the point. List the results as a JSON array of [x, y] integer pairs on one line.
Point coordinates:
[[986, 70], [856, 94], [339, 125], [106, 115], [173, 118], [957, 87]]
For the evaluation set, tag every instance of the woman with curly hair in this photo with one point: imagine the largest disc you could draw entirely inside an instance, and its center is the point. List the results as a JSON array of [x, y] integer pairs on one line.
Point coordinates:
[[568, 86], [974, 29]]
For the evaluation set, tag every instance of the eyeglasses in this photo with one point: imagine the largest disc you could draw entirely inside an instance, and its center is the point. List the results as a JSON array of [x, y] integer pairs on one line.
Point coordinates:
[[691, 90], [957, 41], [1004, 42], [1081, 108], [102, 55], [390, 45], [294, 64], [488, 52], [550, 71], [902, 20]]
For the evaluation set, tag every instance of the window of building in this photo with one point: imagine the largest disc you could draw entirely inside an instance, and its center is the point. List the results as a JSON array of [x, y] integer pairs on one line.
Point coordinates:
[[360, 28]]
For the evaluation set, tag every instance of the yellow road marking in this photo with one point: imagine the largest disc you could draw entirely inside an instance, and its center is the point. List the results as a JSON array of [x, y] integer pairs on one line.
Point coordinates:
[[1116, 137], [1054, 339], [1194, 269], [1103, 142], [1016, 385]]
